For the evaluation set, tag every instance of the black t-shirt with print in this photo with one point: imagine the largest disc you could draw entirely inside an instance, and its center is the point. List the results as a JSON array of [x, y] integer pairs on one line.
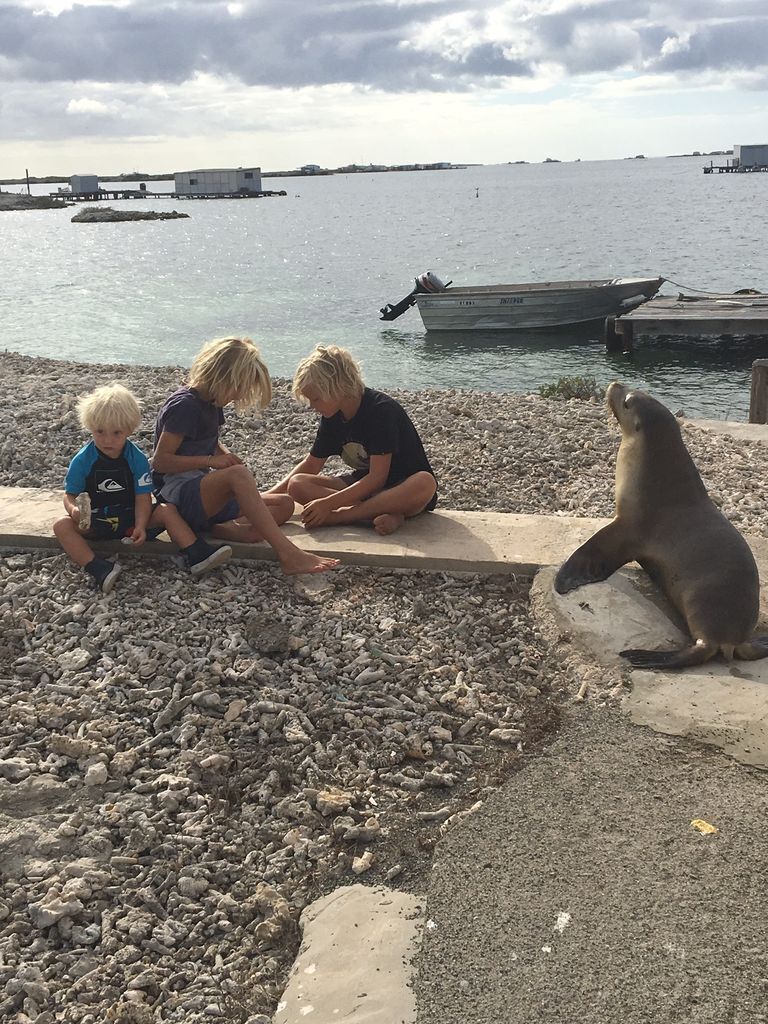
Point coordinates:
[[381, 426]]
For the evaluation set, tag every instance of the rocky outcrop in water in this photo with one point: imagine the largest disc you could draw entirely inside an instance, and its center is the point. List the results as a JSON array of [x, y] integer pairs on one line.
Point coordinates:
[[20, 201], [108, 215]]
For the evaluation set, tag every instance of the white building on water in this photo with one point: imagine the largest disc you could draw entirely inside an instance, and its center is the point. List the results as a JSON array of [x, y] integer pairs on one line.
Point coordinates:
[[751, 156], [80, 183], [217, 181]]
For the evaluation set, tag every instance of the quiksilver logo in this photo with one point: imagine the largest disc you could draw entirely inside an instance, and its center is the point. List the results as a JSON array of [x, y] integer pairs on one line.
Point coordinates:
[[110, 485], [145, 480]]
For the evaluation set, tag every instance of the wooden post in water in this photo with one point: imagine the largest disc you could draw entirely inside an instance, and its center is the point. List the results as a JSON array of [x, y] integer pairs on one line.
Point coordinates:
[[29, 190], [758, 397]]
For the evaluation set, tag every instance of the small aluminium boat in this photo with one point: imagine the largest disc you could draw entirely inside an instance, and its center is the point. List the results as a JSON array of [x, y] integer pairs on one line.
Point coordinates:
[[509, 307]]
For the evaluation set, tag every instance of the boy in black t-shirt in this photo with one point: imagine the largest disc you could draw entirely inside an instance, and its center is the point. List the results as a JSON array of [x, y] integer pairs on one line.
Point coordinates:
[[391, 479]]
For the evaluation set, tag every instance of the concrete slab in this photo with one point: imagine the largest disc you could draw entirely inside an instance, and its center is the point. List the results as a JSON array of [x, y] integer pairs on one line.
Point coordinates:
[[355, 960], [723, 704], [741, 431], [485, 542], [727, 707], [443, 540]]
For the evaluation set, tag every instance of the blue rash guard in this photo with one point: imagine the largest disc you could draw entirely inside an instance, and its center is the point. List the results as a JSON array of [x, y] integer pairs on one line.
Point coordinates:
[[111, 484]]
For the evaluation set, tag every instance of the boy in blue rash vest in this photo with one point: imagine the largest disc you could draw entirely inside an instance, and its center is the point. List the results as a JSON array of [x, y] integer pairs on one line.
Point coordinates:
[[115, 476], [391, 478], [212, 488]]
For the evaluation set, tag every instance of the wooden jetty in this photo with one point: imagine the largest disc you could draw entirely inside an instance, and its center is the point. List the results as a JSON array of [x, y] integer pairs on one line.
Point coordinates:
[[689, 316], [113, 194], [733, 169]]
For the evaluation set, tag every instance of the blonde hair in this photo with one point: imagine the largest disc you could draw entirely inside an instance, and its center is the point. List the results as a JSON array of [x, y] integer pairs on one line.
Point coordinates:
[[110, 406], [332, 371], [232, 370]]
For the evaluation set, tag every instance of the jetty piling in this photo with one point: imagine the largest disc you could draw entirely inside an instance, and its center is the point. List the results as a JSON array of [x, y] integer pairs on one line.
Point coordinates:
[[758, 396]]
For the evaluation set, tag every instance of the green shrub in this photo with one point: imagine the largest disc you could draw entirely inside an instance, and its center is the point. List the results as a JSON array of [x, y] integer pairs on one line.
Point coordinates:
[[583, 388]]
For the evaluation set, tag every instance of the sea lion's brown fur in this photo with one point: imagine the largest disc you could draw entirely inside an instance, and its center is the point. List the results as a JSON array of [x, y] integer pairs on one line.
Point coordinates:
[[666, 521]]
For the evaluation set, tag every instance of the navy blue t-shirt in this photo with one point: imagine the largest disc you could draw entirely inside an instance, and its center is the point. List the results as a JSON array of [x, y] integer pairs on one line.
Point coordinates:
[[185, 412], [381, 426]]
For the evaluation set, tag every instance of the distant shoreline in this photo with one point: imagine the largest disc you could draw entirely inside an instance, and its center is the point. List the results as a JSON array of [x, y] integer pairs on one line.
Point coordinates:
[[321, 172]]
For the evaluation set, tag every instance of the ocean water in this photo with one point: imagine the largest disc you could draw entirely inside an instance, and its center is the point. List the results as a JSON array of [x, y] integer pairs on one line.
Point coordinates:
[[316, 265]]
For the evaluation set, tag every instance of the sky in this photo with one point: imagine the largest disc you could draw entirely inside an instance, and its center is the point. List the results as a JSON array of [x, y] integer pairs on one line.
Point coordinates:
[[155, 86]]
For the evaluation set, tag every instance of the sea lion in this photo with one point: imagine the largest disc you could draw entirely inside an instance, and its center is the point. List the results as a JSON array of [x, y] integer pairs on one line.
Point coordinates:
[[666, 521]]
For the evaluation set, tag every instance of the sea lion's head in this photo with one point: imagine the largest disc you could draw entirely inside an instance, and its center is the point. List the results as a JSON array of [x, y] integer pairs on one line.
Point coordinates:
[[637, 411]]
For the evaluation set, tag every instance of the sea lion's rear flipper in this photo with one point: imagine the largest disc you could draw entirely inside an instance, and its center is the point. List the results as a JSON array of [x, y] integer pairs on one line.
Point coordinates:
[[753, 651], [595, 560], [696, 654]]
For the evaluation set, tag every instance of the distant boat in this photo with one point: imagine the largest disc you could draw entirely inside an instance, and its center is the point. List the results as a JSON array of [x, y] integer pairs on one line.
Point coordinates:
[[509, 307]]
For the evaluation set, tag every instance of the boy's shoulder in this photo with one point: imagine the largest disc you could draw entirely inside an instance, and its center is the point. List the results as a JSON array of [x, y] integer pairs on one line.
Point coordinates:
[[132, 452], [374, 400], [179, 396], [88, 452], [185, 406]]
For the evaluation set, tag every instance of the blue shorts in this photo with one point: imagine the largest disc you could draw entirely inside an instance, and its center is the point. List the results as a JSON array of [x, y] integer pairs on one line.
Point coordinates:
[[116, 523], [190, 506]]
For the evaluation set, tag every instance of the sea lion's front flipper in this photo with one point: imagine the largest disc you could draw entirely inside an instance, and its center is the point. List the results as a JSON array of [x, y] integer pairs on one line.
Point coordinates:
[[595, 560], [696, 654]]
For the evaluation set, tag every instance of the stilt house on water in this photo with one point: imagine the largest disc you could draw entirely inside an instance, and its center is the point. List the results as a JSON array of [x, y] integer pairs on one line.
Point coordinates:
[[751, 156], [745, 159], [221, 181]]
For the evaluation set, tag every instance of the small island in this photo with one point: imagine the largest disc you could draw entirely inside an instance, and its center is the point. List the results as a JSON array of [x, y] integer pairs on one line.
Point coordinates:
[[108, 215], [22, 201]]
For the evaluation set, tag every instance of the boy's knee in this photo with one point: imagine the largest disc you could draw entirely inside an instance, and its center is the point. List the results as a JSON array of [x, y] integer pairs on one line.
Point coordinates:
[[283, 509], [62, 526], [239, 475], [427, 483], [297, 486]]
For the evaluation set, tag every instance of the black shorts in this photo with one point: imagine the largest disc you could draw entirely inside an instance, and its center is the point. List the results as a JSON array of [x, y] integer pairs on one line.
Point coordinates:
[[351, 478]]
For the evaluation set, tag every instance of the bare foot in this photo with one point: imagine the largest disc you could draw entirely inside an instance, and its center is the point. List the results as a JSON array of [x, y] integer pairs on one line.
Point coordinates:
[[305, 561], [387, 523]]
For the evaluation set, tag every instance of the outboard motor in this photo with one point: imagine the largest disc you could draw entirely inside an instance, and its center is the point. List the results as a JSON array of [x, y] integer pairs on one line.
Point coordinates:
[[424, 284]]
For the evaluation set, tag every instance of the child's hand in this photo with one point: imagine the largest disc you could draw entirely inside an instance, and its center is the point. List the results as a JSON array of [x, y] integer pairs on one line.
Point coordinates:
[[315, 513], [224, 460], [138, 536]]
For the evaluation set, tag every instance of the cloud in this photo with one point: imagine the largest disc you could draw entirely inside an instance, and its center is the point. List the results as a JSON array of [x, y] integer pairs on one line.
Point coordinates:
[[86, 106], [397, 46], [278, 43]]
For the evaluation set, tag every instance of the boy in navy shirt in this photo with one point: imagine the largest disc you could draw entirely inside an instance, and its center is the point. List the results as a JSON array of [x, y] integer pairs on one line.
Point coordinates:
[[108, 493], [391, 479], [209, 484]]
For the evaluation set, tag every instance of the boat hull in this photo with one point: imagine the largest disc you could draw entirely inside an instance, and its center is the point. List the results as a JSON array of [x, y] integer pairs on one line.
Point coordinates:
[[529, 306]]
